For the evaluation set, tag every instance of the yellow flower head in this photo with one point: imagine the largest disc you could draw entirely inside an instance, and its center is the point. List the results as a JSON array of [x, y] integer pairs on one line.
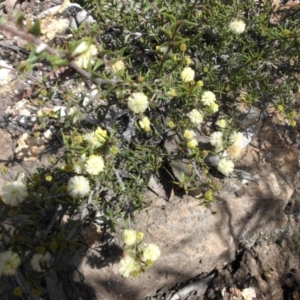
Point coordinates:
[[187, 60], [188, 74], [200, 83], [139, 236], [208, 196], [280, 107], [145, 124], [138, 102], [183, 47], [192, 143], [222, 123], [101, 135], [189, 134], [172, 93], [214, 107], [118, 66], [171, 124], [18, 291]]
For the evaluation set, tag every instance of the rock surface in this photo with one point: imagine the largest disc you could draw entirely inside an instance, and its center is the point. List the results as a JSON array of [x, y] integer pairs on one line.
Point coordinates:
[[195, 239]]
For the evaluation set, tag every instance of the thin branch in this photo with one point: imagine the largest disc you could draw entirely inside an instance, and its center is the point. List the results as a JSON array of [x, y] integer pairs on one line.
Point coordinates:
[[37, 42]]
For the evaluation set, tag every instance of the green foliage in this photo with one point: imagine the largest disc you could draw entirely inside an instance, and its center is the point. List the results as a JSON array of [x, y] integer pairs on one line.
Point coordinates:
[[171, 53]]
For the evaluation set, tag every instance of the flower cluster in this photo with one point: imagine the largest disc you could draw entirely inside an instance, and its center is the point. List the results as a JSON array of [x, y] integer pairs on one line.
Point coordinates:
[[189, 135], [136, 259], [216, 140], [39, 262], [96, 139]]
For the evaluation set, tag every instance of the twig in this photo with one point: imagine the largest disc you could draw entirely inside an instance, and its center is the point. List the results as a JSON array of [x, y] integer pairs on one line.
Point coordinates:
[[37, 42], [22, 284], [53, 220]]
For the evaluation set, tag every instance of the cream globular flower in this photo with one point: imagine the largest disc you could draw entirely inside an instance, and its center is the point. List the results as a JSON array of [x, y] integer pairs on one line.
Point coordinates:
[[237, 26], [129, 267], [237, 138], [189, 134], [14, 193], [78, 187], [84, 54], [9, 263], [208, 98], [151, 253], [94, 165], [39, 262], [145, 124], [118, 66], [234, 151], [216, 140], [138, 102], [129, 237], [195, 117], [225, 166], [188, 74]]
